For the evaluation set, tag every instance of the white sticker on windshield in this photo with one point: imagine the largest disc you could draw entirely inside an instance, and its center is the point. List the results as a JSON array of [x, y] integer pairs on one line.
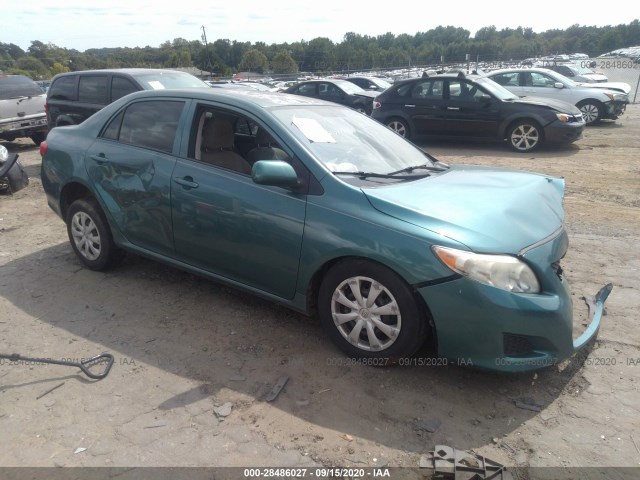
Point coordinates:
[[313, 130], [156, 85]]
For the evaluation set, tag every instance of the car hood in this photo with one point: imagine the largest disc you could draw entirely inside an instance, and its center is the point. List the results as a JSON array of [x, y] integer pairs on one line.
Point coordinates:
[[616, 86], [557, 105], [489, 210]]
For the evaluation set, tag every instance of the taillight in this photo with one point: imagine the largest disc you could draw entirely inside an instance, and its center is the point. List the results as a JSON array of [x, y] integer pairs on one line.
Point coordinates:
[[376, 105], [43, 148], [46, 107]]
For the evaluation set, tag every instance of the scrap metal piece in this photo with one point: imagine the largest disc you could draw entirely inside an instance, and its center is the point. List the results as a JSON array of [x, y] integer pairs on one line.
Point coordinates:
[[527, 403], [275, 391], [449, 463]]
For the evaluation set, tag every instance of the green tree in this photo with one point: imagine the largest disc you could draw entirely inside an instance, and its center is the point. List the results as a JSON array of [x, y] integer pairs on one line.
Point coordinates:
[[254, 61], [283, 63]]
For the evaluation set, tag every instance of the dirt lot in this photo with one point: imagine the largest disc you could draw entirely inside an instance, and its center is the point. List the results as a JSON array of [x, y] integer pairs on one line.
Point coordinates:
[[187, 349]]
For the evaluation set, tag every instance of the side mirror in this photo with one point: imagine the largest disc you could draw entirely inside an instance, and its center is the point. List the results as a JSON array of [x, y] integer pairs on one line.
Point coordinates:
[[485, 99], [274, 172], [558, 85]]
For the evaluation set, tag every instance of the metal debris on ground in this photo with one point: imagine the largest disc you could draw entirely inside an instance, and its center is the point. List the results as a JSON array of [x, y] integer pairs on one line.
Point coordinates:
[[271, 396], [49, 391], [527, 403], [449, 463], [427, 425]]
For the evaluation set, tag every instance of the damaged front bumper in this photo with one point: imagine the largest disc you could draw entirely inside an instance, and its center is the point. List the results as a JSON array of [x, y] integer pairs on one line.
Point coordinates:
[[495, 329], [12, 175]]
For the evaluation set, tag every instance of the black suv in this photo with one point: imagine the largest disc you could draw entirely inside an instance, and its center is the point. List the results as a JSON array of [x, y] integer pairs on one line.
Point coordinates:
[[75, 96], [471, 107], [21, 109]]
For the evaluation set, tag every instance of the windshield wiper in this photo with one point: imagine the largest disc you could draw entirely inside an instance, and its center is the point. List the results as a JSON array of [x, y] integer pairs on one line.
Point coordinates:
[[363, 175], [424, 166]]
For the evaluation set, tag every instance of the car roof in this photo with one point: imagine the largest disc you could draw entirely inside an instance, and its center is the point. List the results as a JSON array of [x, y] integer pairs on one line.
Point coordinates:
[[240, 97], [521, 69], [128, 71]]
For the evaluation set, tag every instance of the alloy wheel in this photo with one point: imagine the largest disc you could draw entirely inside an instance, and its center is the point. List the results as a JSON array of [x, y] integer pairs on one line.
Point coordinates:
[[525, 137], [366, 314]]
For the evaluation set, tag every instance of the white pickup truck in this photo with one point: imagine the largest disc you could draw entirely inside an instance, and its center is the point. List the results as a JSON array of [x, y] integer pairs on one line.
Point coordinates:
[[22, 111]]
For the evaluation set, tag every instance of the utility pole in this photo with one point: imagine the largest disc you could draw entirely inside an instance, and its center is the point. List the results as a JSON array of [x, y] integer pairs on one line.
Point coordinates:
[[204, 40]]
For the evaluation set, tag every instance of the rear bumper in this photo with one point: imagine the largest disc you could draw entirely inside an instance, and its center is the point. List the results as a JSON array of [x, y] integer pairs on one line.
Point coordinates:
[[23, 127]]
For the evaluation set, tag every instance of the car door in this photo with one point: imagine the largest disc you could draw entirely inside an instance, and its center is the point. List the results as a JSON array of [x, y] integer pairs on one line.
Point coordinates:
[[332, 93], [425, 105], [227, 225], [469, 111], [538, 84], [130, 165], [512, 81]]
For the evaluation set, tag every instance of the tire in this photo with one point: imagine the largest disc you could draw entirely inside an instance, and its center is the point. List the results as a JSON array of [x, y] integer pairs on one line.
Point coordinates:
[[90, 235], [524, 136], [592, 111], [393, 326], [38, 138], [399, 126]]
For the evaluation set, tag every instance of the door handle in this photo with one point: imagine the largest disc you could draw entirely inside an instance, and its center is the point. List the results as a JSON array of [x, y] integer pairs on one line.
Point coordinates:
[[411, 106], [453, 108], [100, 159], [186, 182]]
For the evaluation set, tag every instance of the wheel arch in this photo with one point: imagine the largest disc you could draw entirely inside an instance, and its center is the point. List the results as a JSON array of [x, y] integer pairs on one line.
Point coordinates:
[[70, 193], [313, 291]]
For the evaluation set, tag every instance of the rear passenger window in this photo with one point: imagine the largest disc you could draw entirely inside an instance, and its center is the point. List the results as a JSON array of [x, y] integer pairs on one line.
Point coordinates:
[[93, 89], [64, 88], [150, 124], [121, 87]]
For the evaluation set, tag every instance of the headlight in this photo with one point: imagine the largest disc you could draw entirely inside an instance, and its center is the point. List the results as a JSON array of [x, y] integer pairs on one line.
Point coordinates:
[[4, 153], [500, 271], [563, 117]]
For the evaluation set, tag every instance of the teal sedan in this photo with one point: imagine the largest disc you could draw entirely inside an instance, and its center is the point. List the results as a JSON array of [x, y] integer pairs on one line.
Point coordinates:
[[320, 208]]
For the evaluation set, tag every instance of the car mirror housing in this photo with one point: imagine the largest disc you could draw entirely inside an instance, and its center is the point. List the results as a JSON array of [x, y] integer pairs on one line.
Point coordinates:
[[274, 172], [558, 85], [485, 99]]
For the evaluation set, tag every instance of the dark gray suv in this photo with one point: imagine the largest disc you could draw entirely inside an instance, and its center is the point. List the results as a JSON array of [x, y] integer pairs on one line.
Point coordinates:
[[75, 96]]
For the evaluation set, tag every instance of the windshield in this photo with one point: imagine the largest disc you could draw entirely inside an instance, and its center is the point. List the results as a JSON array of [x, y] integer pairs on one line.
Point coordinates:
[[344, 140], [348, 87], [558, 77], [496, 89], [16, 86], [162, 80]]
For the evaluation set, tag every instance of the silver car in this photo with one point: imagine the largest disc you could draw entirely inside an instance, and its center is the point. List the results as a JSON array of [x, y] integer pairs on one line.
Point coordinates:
[[595, 103], [22, 109]]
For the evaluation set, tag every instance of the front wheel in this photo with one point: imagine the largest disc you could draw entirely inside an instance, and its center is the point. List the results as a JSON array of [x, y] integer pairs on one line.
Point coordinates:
[[370, 312], [524, 136], [591, 111], [90, 235]]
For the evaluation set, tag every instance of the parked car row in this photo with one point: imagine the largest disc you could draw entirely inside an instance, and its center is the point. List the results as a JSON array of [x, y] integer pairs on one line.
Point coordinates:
[[526, 107], [327, 211]]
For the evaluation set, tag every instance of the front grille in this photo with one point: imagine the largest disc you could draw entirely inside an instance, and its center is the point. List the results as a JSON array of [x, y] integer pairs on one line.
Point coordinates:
[[516, 345]]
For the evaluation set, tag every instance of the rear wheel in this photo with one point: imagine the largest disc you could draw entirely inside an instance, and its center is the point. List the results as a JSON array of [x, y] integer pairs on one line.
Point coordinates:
[[38, 138], [399, 126], [90, 235], [524, 136], [370, 312]]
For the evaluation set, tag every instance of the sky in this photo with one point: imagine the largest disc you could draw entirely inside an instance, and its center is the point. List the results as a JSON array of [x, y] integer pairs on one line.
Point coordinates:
[[82, 25]]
